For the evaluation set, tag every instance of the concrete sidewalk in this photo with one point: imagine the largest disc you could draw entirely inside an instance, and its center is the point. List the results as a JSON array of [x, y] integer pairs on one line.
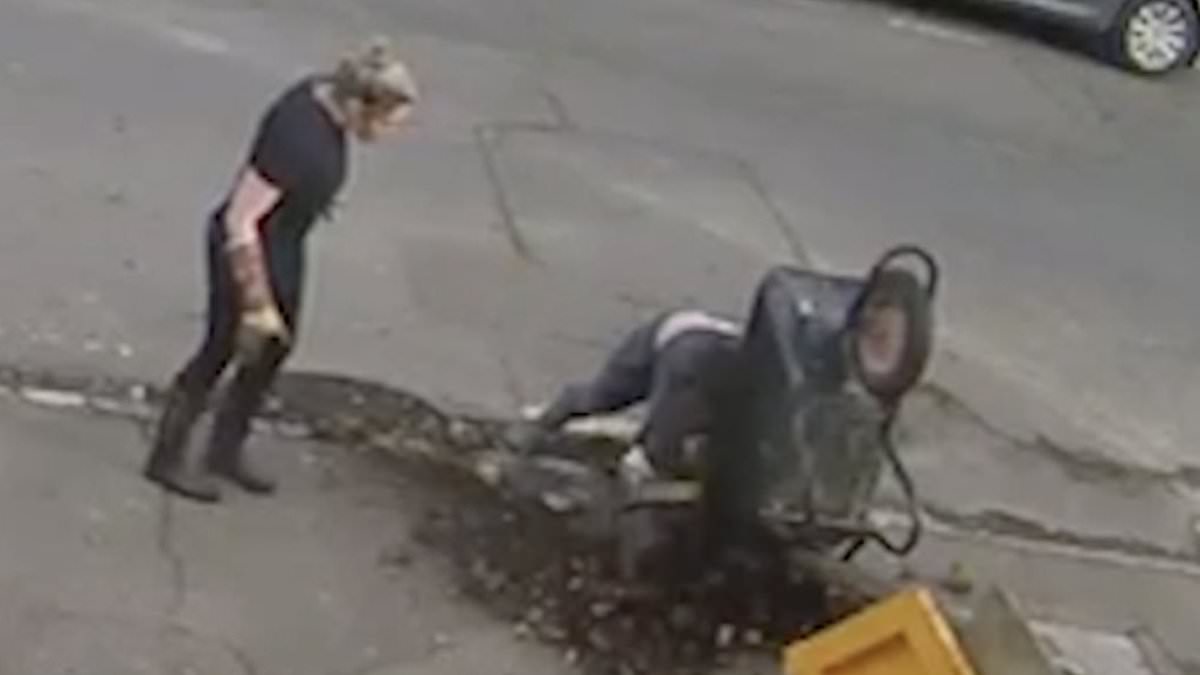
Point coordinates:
[[101, 574]]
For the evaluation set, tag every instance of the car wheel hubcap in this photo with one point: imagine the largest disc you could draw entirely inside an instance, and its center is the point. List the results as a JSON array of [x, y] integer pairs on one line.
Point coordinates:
[[1157, 36]]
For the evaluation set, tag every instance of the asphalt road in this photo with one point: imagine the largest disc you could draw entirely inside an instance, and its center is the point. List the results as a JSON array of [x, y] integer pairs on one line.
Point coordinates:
[[577, 165], [1056, 191]]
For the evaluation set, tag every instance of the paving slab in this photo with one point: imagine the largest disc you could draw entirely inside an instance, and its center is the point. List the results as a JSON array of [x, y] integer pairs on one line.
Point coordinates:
[[84, 586], [1066, 586], [610, 230], [83, 530], [969, 470], [656, 222], [102, 574], [325, 578]]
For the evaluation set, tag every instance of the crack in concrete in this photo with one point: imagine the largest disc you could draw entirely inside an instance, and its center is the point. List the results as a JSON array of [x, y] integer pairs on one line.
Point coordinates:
[[175, 563], [177, 567], [58, 613], [1003, 523], [558, 110], [487, 134], [247, 664], [642, 305], [595, 345], [485, 137], [755, 181], [384, 665], [1081, 464], [511, 387]]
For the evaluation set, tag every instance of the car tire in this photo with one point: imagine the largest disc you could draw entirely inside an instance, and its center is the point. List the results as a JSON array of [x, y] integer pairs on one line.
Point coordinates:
[[1154, 37]]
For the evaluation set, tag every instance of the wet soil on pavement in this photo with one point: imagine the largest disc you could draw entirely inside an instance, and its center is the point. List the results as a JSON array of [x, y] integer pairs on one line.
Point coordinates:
[[544, 569]]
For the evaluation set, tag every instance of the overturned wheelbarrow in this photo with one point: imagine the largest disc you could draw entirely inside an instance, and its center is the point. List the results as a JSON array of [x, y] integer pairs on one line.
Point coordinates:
[[804, 436]]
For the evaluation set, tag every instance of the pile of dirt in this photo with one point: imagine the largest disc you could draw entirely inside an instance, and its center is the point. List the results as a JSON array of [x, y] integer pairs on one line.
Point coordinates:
[[528, 565], [533, 565], [522, 557]]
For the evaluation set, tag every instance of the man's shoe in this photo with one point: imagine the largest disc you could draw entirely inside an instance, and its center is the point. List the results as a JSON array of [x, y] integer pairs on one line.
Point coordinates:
[[193, 485], [526, 437]]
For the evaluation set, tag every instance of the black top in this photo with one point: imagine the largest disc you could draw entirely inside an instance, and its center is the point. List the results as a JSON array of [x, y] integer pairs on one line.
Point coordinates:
[[301, 150]]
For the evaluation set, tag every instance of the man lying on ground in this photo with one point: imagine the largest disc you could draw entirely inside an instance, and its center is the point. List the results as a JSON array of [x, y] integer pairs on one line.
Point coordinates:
[[682, 364], [676, 363]]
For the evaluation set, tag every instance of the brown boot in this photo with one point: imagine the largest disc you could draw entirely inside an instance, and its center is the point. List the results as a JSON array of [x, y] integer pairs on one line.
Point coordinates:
[[166, 466]]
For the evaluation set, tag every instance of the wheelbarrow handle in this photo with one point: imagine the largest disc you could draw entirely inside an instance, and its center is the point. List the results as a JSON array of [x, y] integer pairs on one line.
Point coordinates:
[[932, 271]]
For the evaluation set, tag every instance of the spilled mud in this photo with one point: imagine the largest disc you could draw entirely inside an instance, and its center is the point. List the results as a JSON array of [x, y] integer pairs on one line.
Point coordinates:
[[535, 547], [539, 551]]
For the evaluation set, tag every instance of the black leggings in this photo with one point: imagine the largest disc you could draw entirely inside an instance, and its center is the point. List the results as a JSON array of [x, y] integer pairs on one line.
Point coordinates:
[[285, 262]]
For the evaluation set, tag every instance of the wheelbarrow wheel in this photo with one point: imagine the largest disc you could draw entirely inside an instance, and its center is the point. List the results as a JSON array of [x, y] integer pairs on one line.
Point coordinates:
[[893, 334]]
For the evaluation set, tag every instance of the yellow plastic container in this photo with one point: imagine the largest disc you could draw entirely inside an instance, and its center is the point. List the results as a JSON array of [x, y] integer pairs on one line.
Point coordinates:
[[905, 634]]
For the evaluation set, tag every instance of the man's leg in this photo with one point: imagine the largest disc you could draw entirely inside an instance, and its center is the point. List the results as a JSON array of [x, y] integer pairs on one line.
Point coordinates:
[[689, 371], [190, 388], [623, 381]]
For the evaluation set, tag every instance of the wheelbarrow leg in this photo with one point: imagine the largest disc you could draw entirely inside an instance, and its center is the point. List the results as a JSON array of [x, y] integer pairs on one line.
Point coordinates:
[[853, 549], [636, 538]]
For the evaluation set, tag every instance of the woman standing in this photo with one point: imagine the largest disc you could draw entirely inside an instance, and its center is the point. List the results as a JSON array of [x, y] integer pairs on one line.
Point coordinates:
[[256, 242]]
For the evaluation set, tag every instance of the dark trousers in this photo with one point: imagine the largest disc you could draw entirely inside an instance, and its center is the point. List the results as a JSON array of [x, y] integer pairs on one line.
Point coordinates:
[[676, 381], [194, 383], [625, 380]]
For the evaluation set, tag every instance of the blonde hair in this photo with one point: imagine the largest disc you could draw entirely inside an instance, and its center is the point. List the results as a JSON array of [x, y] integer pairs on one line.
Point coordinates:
[[371, 75]]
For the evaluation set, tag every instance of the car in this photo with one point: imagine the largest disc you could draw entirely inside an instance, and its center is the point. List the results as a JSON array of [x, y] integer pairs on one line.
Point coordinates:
[[1149, 37]]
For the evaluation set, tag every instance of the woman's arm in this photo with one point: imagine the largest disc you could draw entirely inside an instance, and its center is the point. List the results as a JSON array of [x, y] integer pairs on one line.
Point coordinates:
[[253, 198]]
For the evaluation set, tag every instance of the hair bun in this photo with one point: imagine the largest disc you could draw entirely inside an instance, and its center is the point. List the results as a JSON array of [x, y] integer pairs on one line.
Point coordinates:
[[377, 52], [373, 71]]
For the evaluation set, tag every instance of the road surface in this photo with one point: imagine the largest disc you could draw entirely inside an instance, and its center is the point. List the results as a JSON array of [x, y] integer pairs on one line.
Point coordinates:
[[579, 165], [1057, 192]]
